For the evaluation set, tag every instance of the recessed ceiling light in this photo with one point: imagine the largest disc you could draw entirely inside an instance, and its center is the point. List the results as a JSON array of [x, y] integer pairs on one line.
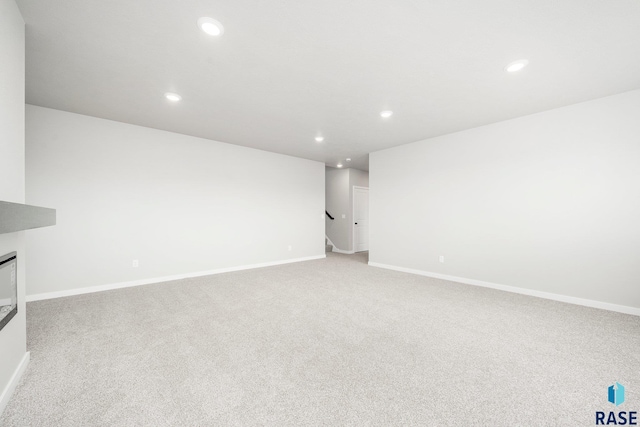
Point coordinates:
[[516, 66], [210, 26], [319, 138], [348, 159], [339, 165], [386, 114], [172, 96]]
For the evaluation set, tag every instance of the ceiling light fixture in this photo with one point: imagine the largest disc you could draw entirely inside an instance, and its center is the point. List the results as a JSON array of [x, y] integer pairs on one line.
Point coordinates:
[[386, 114], [348, 159], [516, 66], [319, 138], [174, 97], [210, 26], [339, 165]]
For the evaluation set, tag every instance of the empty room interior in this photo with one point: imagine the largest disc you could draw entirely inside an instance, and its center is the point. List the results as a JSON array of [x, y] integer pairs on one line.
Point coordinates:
[[250, 213]]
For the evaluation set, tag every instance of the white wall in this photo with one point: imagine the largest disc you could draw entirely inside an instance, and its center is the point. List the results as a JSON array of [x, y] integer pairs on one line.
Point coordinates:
[[13, 336], [176, 203], [548, 202]]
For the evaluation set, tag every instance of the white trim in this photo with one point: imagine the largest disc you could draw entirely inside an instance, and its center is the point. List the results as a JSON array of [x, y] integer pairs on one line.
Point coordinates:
[[335, 249], [329, 242], [100, 288], [524, 291], [340, 251], [13, 382], [353, 215]]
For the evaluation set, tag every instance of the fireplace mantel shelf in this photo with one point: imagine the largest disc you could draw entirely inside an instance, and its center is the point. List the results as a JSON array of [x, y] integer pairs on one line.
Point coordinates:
[[17, 217]]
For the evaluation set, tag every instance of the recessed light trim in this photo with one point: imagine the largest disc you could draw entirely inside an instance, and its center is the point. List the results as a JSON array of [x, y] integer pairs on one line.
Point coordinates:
[[339, 165], [516, 66], [386, 114], [173, 97], [210, 26], [319, 138], [348, 159]]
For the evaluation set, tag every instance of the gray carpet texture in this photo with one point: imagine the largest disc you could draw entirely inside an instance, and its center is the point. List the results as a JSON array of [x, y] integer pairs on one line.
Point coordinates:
[[331, 342]]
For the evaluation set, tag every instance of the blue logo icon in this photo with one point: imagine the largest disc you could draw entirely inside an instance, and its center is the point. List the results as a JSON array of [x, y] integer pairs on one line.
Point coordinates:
[[616, 394]]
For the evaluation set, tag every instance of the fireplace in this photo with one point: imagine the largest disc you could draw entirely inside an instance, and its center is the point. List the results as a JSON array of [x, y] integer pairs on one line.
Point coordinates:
[[16, 217], [8, 288]]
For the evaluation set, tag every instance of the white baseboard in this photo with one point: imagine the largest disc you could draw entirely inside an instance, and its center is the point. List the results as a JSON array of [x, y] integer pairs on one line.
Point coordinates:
[[329, 242], [112, 286], [540, 294], [335, 249], [13, 382], [340, 251]]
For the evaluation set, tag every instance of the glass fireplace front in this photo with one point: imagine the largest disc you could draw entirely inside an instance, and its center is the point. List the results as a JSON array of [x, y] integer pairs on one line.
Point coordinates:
[[8, 288]]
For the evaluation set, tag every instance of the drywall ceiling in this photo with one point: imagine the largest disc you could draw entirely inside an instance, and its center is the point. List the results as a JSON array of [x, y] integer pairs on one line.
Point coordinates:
[[285, 71]]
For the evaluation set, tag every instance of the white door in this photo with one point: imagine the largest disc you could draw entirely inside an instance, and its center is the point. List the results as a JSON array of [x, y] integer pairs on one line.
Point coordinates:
[[360, 219]]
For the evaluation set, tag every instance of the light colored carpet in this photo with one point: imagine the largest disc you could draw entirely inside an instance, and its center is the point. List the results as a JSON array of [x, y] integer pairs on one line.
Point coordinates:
[[324, 343]]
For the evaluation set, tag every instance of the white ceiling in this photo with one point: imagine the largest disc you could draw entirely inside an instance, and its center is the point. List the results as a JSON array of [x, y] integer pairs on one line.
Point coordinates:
[[287, 70]]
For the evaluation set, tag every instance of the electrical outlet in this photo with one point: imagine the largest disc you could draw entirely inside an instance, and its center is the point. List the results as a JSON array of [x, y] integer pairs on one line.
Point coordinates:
[[442, 258], [134, 263], [344, 216], [289, 247]]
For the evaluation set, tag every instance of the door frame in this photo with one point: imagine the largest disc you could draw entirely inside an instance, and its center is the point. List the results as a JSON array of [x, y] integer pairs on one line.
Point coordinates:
[[353, 215]]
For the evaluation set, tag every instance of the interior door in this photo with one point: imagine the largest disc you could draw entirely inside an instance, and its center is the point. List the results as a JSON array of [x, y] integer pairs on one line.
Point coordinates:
[[360, 219]]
